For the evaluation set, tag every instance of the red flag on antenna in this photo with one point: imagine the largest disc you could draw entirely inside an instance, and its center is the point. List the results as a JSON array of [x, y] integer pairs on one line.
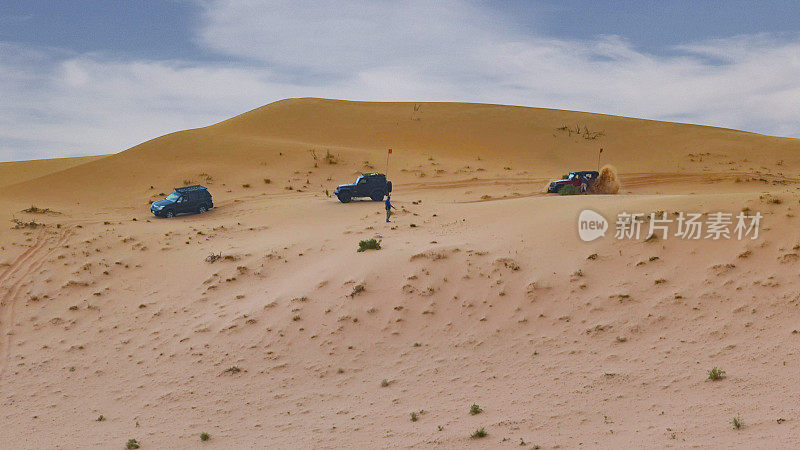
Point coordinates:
[[390, 151]]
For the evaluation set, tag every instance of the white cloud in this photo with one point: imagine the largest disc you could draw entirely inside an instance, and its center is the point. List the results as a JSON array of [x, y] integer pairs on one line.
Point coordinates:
[[58, 103]]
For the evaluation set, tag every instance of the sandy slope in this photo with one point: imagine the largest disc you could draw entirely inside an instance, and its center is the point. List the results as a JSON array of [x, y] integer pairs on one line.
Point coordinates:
[[20, 171], [482, 293]]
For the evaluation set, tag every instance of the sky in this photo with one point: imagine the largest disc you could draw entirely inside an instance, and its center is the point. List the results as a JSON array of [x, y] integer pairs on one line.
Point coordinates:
[[82, 77]]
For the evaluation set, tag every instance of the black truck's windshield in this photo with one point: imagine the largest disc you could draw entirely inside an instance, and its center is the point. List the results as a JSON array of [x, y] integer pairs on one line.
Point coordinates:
[[173, 197]]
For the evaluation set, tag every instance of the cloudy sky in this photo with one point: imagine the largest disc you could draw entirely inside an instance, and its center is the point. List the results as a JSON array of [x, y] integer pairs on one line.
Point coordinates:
[[81, 77]]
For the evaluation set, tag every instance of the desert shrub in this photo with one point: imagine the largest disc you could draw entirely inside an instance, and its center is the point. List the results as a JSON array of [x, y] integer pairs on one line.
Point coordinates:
[[131, 444], [716, 374], [330, 158], [568, 190], [369, 244], [19, 224], [737, 423], [205, 436], [213, 257], [479, 433], [36, 210], [357, 289], [414, 416], [475, 409]]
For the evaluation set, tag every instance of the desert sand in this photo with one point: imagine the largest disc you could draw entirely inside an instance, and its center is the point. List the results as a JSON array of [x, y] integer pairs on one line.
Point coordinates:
[[114, 325]]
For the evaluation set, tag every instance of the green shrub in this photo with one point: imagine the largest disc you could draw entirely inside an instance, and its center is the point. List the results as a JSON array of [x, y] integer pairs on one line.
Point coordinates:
[[370, 244], [131, 444], [716, 374], [479, 433], [568, 190], [205, 436], [475, 409]]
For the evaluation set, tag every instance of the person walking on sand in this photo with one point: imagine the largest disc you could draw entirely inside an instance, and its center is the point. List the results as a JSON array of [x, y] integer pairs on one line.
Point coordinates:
[[389, 207]]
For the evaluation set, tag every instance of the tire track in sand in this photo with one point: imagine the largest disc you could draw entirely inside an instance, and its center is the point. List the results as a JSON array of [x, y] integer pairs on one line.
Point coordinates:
[[13, 280]]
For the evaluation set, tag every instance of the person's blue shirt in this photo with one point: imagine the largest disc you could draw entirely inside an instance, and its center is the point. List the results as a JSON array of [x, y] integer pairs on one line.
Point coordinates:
[[388, 203]]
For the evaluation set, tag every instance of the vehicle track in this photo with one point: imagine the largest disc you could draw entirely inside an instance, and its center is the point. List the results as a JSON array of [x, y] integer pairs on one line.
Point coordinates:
[[14, 279]]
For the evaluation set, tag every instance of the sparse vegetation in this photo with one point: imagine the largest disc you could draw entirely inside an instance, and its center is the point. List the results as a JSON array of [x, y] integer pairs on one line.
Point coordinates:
[[330, 158], [213, 257], [35, 210], [475, 409], [716, 374], [19, 224], [357, 289], [369, 244], [246, 185], [132, 443], [384, 383], [737, 422], [414, 416], [479, 433], [267, 181], [584, 133], [232, 370], [205, 436], [568, 190]]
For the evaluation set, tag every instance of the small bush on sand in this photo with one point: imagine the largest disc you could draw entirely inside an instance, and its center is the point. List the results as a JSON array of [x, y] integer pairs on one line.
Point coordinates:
[[36, 210], [205, 436], [369, 244], [330, 158], [414, 417], [131, 444], [716, 374], [479, 433], [213, 257], [19, 224], [737, 422], [232, 370], [475, 409], [357, 289], [568, 190]]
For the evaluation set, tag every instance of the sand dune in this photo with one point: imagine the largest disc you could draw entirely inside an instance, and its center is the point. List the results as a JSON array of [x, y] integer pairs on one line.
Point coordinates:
[[115, 325], [20, 171]]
